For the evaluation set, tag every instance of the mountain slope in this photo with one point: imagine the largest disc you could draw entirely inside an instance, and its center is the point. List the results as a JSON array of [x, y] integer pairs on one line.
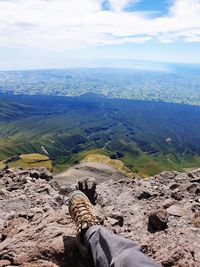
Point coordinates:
[[148, 137]]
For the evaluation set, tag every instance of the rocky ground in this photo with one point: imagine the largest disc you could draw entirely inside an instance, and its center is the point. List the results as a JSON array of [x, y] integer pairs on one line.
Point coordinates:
[[162, 213]]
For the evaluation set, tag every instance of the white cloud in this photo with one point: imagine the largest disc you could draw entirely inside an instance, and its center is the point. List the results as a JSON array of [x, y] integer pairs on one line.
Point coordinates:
[[69, 24], [119, 5]]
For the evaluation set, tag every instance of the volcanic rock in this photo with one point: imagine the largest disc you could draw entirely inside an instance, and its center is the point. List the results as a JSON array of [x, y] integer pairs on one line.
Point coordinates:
[[143, 194], [177, 211], [158, 221], [167, 203], [36, 229], [177, 195]]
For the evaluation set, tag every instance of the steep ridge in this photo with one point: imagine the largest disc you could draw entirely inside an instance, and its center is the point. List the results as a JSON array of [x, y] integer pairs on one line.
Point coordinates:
[[162, 213]]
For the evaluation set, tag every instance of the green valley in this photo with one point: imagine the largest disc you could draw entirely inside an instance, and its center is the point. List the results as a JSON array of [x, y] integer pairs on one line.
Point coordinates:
[[147, 136]]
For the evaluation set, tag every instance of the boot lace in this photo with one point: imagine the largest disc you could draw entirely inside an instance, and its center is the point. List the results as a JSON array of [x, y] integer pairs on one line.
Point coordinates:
[[84, 215]]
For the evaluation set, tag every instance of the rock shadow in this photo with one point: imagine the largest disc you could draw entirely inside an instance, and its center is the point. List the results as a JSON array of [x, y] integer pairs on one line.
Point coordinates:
[[72, 256]]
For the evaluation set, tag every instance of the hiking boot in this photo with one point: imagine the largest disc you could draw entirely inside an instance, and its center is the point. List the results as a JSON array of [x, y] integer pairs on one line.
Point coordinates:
[[83, 214]]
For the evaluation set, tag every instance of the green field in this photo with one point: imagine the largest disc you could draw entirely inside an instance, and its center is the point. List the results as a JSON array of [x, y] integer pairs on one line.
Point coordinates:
[[176, 83], [28, 161]]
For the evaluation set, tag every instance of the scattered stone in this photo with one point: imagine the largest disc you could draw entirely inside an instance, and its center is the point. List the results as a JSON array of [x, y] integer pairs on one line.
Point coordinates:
[[143, 195], [116, 218], [196, 220], [194, 174], [14, 226], [173, 186], [41, 173], [157, 221], [197, 200], [195, 181], [34, 174], [167, 203], [182, 256], [192, 188], [197, 192], [55, 185], [4, 263], [66, 190], [177, 211], [166, 175], [112, 221], [177, 195]]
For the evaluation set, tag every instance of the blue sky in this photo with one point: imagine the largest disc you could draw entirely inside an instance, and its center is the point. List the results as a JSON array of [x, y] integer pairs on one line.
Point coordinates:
[[156, 6], [160, 6], [97, 33]]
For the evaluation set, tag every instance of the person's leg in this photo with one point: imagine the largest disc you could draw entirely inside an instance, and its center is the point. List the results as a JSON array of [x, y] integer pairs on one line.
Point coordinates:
[[108, 249]]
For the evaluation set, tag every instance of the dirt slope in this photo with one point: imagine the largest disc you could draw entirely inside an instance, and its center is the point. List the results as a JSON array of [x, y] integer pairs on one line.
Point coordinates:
[[100, 171]]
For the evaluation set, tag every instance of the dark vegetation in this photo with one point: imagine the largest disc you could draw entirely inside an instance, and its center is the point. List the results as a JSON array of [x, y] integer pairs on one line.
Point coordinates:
[[147, 136]]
